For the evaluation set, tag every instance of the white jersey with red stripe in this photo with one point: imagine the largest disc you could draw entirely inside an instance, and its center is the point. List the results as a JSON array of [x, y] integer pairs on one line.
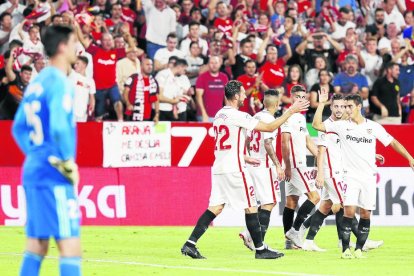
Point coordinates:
[[296, 126], [358, 143], [257, 139], [332, 162], [230, 126]]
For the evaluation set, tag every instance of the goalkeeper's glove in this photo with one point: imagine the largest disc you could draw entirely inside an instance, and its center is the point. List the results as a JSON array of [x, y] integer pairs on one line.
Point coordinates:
[[67, 168]]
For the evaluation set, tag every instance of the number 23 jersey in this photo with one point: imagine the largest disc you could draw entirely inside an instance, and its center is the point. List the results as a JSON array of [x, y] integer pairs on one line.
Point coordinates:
[[230, 126]]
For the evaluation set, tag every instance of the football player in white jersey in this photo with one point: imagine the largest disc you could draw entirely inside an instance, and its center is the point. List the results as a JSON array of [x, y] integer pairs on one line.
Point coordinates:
[[231, 182], [269, 173], [358, 142], [329, 178], [300, 179]]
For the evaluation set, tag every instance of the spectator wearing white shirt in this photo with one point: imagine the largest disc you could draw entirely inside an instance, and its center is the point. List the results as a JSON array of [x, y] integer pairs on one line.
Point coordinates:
[[384, 45], [344, 23], [84, 102], [372, 60], [5, 30], [194, 36], [196, 16], [38, 64], [169, 88], [393, 15], [185, 92], [127, 66], [195, 63], [15, 9], [161, 20], [162, 55]]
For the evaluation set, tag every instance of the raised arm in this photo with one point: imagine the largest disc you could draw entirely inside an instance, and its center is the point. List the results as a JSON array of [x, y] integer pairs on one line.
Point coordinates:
[[298, 106], [11, 76], [85, 43], [317, 119]]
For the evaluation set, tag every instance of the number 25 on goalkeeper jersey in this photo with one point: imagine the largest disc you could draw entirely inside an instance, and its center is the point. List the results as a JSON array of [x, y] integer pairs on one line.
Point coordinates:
[[44, 126]]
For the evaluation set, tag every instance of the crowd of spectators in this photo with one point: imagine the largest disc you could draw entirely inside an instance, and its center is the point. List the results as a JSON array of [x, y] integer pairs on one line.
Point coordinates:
[[170, 59]]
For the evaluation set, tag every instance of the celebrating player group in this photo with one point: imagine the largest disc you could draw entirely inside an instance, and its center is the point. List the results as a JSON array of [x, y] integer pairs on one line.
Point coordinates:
[[247, 173]]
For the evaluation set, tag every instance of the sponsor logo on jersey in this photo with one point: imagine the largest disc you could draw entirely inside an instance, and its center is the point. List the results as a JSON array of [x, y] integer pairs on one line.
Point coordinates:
[[359, 139]]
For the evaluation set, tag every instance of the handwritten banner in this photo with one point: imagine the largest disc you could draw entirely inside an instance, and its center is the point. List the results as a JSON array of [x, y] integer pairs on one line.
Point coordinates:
[[136, 144]]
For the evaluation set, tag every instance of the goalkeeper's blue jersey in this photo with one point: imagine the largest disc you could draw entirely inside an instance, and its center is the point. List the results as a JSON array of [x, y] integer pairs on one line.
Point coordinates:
[[44, 125]]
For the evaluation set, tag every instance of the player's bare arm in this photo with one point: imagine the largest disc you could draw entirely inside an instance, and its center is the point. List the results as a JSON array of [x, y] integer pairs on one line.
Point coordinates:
[[251, 161], [317, 119], [380, 158], [311, 146], [298, 106], [403, 152], [320, 177], [286, 155], [271, 152]]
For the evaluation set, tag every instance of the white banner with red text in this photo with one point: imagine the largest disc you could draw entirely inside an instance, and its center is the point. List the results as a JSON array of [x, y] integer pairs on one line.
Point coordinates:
[[136, 144], [177, 196]]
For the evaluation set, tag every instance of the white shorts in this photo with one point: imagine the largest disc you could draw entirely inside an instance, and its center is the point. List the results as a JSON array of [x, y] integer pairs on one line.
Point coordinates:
[[302, 181], [234, 189], [361, 192], [266, 184], [333, 189]]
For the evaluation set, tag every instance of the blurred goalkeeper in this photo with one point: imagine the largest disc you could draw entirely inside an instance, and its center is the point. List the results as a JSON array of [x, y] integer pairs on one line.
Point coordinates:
[[45, 130]]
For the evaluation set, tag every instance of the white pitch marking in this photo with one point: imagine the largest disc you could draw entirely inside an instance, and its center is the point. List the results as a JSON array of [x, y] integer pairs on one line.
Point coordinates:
[[219, 269]]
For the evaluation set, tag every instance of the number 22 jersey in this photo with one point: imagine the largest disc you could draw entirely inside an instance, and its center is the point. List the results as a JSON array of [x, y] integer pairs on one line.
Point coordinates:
[[230, 126]]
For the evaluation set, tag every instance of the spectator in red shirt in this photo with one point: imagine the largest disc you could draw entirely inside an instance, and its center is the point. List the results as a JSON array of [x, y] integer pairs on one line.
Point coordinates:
[[210, 90], [129, 15], [273, 73], [114, 23], [104, 70], [140, 93], [185, 16], [350, 48], [223, 22], [252, 84]]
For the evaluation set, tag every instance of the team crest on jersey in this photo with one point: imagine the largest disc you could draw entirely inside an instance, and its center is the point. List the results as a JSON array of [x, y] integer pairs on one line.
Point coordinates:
[[113, 56], [369, 130]]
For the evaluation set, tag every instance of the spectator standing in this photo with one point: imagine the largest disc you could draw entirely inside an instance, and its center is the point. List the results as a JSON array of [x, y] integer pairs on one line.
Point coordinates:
[[294, 78], [393, 15], [377, 28], [84, 102], [129, 15], [17, 83], [294, 38], [273, 73], [161, 21], [372, 60], [210, 90], [194, 36], [5, 30], [185, 17], [384, 45], [343, 24], [222, 22], [196, 16], [163, 54], [104, 71], [185, 93], [385, 96], [252, 84], [246, 52], [170, 93], [38, 64], [141, 93], [15, 9], [115, 23], [127, 66], [195, 63], [324, 84], [312, 76], [351, 81]]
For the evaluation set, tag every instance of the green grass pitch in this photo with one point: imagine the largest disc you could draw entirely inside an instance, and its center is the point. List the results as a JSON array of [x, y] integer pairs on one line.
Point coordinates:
[[156, 251]]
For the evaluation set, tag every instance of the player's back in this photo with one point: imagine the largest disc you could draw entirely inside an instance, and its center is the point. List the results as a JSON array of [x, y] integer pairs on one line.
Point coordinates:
[[332, 144], [44, 126], [230, 127], [257, 139], [296, 126]]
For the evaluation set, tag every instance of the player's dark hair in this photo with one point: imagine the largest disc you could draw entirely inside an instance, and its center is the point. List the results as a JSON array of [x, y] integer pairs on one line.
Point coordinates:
[[232, 88], [337, 97], [26, 68], [357, 99], [54, 36], [297, 88], [83, 59], [272, 92]]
